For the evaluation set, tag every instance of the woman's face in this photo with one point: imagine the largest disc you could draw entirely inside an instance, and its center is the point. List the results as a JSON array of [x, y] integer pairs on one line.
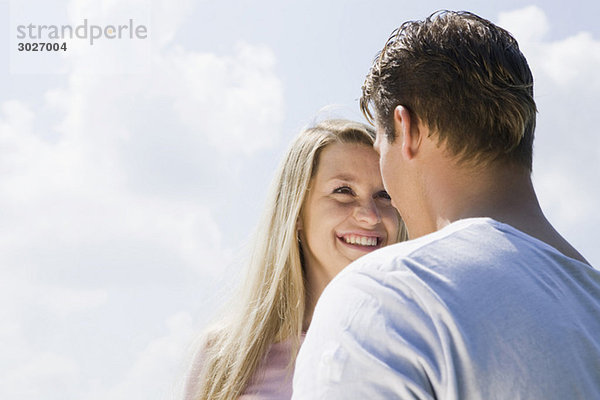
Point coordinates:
[[347, 212]]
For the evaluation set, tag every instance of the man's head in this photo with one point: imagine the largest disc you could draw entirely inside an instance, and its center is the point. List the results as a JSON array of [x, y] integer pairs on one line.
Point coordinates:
[[465, 79]]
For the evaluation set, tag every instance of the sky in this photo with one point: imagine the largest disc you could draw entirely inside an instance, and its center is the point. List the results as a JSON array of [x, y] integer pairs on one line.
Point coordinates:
[[132, 172]]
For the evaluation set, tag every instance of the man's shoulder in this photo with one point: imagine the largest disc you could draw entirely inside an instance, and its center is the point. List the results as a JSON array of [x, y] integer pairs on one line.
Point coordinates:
[[441, 262], [439, 244]]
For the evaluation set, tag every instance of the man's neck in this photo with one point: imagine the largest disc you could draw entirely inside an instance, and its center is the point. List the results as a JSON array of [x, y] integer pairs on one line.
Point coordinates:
[[501, 192], [504, 193]]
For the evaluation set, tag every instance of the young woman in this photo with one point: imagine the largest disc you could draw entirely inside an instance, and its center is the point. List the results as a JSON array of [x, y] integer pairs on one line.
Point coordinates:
[[327, 207]]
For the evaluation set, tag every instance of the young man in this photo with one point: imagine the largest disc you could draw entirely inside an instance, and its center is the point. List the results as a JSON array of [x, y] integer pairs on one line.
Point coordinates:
[[488, 301]]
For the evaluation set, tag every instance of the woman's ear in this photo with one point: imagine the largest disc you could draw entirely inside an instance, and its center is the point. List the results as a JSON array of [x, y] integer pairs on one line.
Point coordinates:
[[299, 227]]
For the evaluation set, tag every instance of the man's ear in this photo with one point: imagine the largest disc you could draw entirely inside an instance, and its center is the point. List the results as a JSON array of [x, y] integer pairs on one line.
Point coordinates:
[[407, 132]]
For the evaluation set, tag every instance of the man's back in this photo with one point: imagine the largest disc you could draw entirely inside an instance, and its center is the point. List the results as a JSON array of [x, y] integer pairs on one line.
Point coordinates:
[[475, 310]]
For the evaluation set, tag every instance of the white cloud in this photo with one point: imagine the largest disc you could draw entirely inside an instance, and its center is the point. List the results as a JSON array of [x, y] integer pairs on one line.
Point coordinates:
[[528, 24], [111, 186], [573, 62], [46, 375], [159, 366], [241, 94], [29, 371], [564, 197], [566, 162], [123, 137], [65, 301]]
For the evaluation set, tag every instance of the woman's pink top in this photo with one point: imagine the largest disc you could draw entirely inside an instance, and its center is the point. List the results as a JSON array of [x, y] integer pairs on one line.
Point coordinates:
[[271, 381]]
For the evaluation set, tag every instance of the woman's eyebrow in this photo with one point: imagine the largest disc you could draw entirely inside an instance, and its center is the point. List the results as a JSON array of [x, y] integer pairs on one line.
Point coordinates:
[[343, 177]]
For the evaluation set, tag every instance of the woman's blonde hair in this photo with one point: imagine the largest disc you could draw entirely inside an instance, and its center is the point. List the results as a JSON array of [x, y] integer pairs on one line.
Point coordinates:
[[270, 307]]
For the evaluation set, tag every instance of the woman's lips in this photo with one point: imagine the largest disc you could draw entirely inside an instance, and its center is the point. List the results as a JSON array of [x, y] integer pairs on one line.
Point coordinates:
[[361, 241]]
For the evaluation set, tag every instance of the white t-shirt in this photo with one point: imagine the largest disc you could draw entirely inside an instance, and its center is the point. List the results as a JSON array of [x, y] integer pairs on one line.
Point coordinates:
[[477, 310]]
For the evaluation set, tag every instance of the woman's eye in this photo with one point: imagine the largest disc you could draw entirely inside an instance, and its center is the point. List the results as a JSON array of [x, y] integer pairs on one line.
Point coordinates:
[[343, 190], [384, 195]]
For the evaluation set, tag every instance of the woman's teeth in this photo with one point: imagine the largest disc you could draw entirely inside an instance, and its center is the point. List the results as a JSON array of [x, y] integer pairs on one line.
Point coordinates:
[[361, 240]]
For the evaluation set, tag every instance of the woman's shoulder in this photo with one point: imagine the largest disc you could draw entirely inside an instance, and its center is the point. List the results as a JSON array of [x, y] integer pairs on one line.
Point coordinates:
[[273, 378], [201, 348]]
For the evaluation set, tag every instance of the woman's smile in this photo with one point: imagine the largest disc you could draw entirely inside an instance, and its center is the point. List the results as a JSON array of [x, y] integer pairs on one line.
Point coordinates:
[[361, 241], [347, 212]]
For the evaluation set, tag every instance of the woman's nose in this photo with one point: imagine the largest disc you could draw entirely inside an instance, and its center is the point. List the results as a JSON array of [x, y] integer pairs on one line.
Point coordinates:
[[367, 212]]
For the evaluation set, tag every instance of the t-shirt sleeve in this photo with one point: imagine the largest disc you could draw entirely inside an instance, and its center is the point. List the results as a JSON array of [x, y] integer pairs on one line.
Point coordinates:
[[368, 341]]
